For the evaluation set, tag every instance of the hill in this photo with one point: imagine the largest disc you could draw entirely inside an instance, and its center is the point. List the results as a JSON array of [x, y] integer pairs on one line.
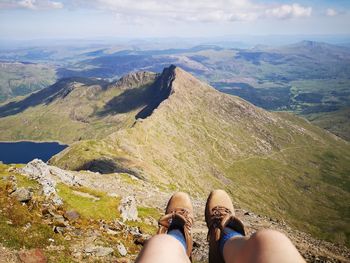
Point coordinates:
[[18, 79], [338, 122], [192, 137], [76, 108]]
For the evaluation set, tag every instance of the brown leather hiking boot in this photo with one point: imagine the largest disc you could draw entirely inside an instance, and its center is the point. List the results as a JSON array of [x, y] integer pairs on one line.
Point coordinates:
[[179, 211], [219, 213]]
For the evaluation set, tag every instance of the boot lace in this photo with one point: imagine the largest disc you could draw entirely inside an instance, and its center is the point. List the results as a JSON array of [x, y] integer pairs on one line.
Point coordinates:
[[219, 214], [182, 213]]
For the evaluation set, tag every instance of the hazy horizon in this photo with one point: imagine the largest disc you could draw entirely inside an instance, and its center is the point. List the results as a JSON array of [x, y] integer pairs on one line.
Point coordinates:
[[234, 41]]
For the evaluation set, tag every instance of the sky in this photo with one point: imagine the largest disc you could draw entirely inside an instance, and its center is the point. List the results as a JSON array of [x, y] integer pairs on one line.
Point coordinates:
[[55, 19]]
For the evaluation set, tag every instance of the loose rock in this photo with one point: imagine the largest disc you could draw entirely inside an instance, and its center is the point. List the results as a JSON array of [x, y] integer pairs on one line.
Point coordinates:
[[122, 250], [98, 251], [71, 215], [22, 194], [128, 209]]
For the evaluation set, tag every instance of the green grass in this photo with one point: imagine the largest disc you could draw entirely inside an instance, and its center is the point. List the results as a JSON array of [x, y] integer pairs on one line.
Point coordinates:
[[77, 116], [23, 181], [105, 208], [277, 187], [14, 217], [146, 212], [301, 178], [337, 122]]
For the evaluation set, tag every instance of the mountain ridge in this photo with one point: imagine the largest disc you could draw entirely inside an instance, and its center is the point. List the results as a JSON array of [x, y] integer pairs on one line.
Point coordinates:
[[193, 138], [199, 139]]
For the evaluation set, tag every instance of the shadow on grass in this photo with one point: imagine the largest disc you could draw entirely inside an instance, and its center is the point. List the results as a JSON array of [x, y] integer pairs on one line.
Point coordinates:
[[47, 95], [108, 166]]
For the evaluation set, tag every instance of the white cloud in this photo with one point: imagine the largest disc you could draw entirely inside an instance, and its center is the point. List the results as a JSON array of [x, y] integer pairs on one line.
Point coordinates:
[[180, 10], [31, 4], [289, 11], [331, 12], [27, 4], [169, 10], [198, 10]]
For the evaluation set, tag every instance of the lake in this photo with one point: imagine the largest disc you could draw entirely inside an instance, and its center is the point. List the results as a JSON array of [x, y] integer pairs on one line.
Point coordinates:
[[24, 152]]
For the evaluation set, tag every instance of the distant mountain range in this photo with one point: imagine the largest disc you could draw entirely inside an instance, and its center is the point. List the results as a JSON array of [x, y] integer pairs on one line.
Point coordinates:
[[307, 78]]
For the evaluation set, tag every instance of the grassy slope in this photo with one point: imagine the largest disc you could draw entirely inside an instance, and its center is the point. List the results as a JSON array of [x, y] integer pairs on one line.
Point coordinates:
[[72, 117], [337, 122], [200, 139], [18, 79]]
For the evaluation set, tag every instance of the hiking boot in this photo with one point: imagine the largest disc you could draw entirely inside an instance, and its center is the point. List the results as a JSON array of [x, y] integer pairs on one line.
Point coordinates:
[[179, 214], [219, 213]]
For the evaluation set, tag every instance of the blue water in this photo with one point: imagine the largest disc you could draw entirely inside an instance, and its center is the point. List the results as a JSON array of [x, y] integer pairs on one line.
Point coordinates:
[[24, 152]]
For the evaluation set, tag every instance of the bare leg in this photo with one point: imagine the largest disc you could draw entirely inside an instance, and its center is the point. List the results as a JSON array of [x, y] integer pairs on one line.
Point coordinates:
[[163, 248], [265, 246]]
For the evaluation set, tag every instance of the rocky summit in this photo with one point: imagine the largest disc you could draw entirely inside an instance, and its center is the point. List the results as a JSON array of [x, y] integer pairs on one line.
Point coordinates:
[[136, 141]]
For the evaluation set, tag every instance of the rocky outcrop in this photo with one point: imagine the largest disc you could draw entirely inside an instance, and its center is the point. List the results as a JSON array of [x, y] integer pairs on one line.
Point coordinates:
[[135, 79], [48, 176]]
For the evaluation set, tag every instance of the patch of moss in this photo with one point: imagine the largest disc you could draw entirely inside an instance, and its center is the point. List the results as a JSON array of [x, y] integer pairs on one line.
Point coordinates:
[[100, 206], [23, 181], [128, 179], [20, 227], [148, 212]]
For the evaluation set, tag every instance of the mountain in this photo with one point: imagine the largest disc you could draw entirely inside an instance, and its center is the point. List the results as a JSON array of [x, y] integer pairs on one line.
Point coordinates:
[[307, 78], [76, 108], [307, 46], [177, 132], [192, 137]]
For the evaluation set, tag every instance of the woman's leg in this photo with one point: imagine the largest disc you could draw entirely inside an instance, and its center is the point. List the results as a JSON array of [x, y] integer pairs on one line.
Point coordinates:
[[265, 246], [228, 242], [173, 243], [163, 248]]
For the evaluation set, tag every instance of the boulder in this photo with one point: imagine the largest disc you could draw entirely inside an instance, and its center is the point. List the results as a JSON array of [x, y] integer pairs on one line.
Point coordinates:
[[59, 221], [71, 215], [41, 172], [103, 251], [128, 209], [37, 169], [22, 194], [98, 251]]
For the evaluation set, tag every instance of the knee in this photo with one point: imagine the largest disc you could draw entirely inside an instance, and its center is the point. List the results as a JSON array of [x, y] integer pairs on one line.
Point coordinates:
[[268, 235], [161, 240]]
